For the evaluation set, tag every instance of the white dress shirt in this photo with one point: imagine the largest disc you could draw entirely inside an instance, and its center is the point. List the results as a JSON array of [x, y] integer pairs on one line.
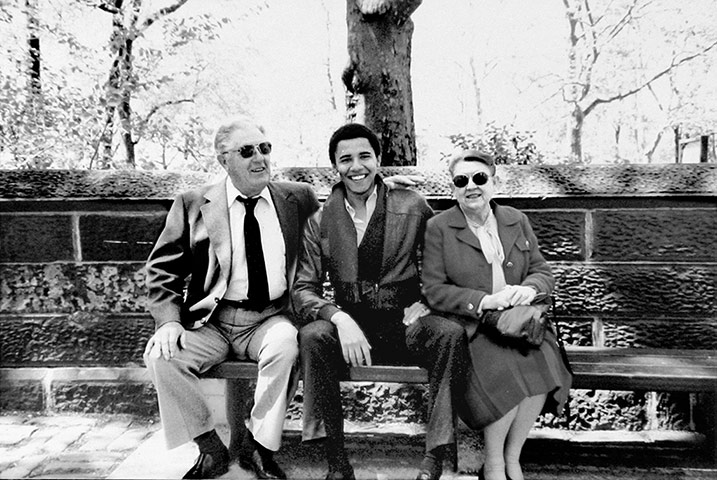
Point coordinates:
[[272, 242], [362, 225]]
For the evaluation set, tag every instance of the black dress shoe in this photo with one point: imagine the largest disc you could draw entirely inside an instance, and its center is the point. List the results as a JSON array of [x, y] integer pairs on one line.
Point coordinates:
[[347, 474], [262, 464], [210, 465], [428, 475]]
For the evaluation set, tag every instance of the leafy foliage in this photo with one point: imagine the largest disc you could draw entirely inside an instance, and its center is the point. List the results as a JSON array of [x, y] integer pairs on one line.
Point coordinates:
[[505, 143]]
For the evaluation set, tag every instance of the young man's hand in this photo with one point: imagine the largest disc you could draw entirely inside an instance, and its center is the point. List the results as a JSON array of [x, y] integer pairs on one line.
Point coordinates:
[[414, 312], [354, 346]]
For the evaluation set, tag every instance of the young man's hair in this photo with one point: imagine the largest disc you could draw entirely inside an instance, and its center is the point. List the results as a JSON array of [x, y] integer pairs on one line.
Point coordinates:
[[349, 132]]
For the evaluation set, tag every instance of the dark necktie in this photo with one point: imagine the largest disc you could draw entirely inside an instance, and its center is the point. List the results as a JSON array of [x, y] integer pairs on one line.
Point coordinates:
[[258, 284]]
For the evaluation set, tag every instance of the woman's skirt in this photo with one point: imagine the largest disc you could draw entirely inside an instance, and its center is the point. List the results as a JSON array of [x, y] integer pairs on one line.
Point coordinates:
[[502, 376]]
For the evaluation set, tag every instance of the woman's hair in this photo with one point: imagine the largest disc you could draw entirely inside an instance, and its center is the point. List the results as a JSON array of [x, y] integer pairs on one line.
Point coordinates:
[[472, 156], [349, 132]]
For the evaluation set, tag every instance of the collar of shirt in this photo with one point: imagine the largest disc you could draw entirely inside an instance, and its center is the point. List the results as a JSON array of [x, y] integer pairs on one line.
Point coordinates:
[[362, 225], [370, 207], [489, 239], [233, 192]]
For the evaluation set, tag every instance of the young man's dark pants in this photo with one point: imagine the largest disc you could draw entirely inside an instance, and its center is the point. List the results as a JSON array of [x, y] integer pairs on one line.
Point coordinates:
[[435, 343]]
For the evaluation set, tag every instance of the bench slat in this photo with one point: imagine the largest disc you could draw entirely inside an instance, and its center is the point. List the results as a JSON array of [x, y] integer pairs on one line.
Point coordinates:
[[594, 368]]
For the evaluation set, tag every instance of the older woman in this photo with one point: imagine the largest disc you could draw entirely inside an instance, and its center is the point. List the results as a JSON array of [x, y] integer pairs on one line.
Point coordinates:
[[480, 256]]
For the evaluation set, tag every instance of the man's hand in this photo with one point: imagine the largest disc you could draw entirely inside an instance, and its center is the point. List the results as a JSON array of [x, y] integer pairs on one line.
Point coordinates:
[[403, 181], [354, 345], [166, 341], [414, 312]]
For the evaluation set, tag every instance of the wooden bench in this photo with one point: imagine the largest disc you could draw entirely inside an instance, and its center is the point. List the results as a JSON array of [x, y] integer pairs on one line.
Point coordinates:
[[594, 368]]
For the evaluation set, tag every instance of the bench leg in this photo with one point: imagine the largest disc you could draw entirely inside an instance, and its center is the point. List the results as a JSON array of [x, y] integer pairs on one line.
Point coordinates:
[[236, 396], [454, 455]]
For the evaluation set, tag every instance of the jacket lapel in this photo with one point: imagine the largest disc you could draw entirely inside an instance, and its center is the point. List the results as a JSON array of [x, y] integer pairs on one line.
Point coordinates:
[[508, 228], [216, 218], [458, 221], [288, 212]]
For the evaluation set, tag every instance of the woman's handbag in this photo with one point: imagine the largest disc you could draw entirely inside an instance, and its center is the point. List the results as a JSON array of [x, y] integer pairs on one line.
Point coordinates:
[[522, 326]]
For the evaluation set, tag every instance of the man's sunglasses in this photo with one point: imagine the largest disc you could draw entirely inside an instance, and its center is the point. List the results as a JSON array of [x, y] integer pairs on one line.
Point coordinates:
[[247, 151], [479, 178]]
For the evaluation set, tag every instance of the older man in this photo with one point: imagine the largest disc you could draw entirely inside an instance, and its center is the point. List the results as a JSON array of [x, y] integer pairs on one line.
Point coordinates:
[[218, 280]]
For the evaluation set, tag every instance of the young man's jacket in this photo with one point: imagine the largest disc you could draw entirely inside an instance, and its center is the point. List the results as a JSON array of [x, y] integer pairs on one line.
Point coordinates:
[[330, 247], [195, 246]]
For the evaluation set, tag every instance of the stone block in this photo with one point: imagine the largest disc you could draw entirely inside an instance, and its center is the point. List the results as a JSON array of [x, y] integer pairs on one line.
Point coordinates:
[[105, 397], [86, 338], [119, 237], [600, 410], [677, 235], [560, 233], [25, 395], [14, 434], [636, 289], [576, 331], [673, 411], [128, 440], [35, 238], [72, 287], [680, 333]]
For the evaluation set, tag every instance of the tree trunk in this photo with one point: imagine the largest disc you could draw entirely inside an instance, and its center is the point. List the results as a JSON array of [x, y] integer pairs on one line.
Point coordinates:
[[125, 110], [378, 76], [33, 43], [576, 133]]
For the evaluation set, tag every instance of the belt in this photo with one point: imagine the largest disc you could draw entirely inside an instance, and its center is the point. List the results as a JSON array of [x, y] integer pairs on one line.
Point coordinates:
[[244, 304]]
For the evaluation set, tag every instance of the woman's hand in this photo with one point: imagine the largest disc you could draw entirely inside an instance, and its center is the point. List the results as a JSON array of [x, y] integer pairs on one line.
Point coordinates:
[[510, 296], [497, 301], [521, 294]]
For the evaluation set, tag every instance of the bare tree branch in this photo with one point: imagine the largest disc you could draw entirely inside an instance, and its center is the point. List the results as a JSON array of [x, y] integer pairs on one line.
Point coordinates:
[[159, 14], [674, 64], [622, 23], [156, 108]]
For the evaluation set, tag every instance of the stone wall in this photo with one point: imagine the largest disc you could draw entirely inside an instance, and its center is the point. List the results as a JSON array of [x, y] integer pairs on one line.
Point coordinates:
[[632, 248]]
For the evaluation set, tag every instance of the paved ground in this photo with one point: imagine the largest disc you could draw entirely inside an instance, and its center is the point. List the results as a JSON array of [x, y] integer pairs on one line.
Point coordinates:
[[115, 447]]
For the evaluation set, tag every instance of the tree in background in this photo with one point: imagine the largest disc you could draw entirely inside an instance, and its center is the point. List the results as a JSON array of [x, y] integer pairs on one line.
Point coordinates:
[[127, 27], [592, 82], [47, 118], [378, 75]]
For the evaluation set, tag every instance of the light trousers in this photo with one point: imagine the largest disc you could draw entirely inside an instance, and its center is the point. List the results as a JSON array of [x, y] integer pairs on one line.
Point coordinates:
[[236, 333]]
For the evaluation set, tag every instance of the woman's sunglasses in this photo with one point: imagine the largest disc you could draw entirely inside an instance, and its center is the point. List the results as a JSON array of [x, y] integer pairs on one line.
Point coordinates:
[[247, 151], [479, 178]]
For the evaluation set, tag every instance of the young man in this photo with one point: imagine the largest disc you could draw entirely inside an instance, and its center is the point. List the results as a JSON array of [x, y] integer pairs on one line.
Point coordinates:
[[213, 292], [367, 239]]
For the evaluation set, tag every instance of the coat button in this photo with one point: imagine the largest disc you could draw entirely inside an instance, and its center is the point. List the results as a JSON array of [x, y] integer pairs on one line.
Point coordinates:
[[470, 307], [509, 264]]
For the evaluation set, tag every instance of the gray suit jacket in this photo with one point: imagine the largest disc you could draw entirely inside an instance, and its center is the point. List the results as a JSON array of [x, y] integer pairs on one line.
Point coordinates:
[[188, 269]]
